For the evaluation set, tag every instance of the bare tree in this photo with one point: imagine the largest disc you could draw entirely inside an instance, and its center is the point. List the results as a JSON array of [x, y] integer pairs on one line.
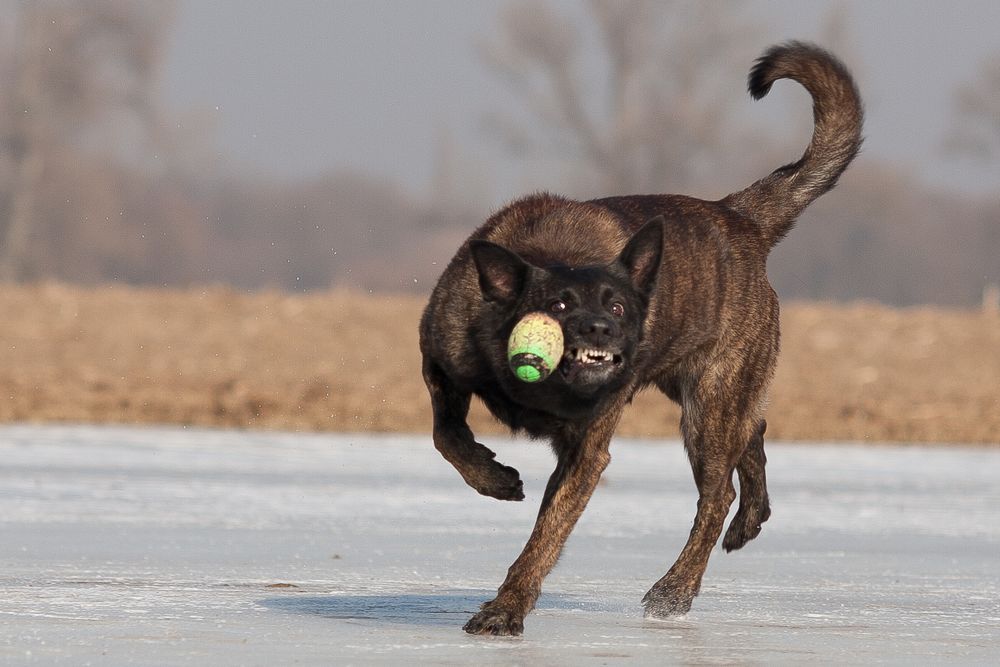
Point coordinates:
[[68, 68], [631, 94], [977, 105], [976, 134]]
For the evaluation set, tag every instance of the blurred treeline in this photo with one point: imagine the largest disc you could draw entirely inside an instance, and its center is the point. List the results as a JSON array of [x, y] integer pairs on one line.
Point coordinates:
[[100, 184]]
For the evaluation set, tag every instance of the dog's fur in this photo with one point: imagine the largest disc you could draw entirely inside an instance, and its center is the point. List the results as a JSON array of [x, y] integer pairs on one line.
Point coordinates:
[[673, 292]]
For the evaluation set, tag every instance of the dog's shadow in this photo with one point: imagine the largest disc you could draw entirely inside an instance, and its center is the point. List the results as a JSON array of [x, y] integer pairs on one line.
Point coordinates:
[[445, 609]]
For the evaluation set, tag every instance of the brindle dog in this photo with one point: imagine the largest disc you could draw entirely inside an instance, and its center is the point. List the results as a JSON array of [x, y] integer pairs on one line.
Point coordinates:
[[651, 290]]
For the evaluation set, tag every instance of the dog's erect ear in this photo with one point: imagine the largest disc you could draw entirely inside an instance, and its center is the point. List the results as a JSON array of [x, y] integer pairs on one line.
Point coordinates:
[[502, 274], [641, 255]]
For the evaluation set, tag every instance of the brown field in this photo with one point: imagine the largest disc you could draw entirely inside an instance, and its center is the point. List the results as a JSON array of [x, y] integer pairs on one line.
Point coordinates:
[[340, 361]]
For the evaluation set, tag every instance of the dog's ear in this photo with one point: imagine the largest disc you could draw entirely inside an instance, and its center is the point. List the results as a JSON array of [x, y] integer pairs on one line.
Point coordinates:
[[641, 255], [502, 274]]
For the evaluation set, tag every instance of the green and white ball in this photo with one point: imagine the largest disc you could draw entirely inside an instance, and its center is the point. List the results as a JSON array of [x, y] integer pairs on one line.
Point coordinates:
[[535, 347]]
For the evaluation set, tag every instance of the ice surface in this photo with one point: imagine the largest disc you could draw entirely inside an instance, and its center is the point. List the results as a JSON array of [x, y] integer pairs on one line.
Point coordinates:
[[173, 546]]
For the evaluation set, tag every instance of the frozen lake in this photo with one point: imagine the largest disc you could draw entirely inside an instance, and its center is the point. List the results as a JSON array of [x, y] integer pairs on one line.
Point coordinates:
[[174, 546]]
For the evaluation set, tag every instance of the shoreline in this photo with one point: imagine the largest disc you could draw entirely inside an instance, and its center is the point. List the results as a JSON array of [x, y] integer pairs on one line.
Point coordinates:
[[341, 361]]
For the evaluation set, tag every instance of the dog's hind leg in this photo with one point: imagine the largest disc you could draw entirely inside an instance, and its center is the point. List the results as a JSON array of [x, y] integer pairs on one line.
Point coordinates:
[[454, 439], [582, 456], [755, 508], [717, 429]]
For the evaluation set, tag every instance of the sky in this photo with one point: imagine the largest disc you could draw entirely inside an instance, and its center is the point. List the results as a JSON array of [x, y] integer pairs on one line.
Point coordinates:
[[299, 89]]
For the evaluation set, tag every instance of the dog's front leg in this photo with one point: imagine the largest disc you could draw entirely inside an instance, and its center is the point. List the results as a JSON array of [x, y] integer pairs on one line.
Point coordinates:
[[582, 457], [454, 439]]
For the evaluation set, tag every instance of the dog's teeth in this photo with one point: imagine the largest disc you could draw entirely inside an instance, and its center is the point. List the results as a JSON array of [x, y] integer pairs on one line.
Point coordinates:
[[589, 356]]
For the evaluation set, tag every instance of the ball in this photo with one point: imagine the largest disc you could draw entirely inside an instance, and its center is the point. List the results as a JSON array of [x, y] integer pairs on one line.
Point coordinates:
[[535, 347]]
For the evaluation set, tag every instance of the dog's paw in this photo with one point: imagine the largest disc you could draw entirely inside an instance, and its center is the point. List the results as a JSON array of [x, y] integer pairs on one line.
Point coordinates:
[[668, 599], [496, 621], [746, 525], [500, 482], [481, 471]]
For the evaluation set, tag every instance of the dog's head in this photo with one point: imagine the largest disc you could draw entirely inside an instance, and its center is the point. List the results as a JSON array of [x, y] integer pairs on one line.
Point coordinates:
[[602, 309]]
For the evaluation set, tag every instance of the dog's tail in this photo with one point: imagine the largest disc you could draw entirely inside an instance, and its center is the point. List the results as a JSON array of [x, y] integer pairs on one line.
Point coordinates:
[[776, 200]]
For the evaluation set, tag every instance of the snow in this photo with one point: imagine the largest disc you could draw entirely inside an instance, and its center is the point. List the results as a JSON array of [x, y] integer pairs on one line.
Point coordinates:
[[178, 546]]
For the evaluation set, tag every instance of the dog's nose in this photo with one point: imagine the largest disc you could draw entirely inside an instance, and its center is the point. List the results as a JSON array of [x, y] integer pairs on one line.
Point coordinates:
[[597, 330]]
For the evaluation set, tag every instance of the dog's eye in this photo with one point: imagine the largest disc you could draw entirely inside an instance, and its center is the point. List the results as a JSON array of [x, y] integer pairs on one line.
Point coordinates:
[[617, 309], [557, 306]]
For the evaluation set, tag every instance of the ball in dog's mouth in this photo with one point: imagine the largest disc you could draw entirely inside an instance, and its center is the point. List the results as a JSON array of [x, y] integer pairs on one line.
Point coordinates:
[[535, 347]]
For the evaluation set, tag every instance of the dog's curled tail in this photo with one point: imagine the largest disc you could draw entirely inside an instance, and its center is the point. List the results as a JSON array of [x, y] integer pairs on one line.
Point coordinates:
[[776, 200]]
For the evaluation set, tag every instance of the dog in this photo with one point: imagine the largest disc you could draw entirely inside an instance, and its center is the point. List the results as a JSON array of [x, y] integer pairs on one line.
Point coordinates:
[[663, 291]]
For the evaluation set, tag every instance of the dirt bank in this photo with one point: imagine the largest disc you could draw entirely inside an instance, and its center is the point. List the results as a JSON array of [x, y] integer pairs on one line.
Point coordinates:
[[343, 361]]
